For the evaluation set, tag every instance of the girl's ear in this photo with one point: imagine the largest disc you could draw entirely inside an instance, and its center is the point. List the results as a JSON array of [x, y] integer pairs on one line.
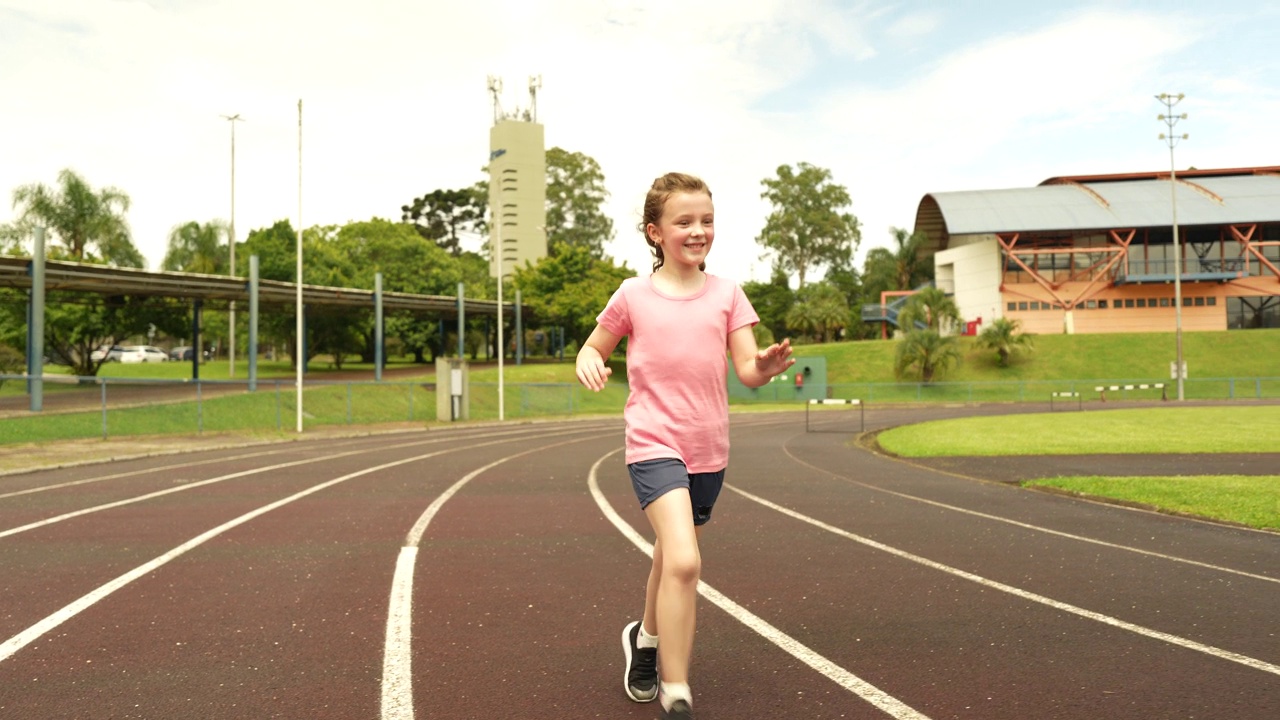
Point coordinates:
[[651, 232]]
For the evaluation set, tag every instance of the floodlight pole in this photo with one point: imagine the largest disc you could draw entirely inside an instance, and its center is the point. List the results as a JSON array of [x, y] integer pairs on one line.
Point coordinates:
[[231, 240], [300, 346], [1169, 119], [502, 349]]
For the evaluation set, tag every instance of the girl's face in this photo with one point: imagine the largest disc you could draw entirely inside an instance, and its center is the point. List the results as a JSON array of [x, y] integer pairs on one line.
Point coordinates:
[[685, 230]]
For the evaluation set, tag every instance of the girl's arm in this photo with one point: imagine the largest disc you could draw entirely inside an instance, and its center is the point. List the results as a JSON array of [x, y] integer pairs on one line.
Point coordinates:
[[591, 367], [755, 367]]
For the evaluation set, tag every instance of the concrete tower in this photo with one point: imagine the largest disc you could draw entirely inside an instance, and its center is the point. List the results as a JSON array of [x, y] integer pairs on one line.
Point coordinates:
[[517, 184]]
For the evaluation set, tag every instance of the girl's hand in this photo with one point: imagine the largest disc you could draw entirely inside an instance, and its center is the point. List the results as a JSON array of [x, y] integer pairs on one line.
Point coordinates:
[[775, 358], [592, 372]]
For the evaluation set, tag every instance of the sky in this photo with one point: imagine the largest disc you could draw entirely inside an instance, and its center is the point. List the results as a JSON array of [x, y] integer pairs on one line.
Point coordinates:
[[897, 99]]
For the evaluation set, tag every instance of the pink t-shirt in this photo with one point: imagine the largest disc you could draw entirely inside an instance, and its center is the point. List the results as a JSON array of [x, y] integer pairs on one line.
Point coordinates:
[[677, 369]]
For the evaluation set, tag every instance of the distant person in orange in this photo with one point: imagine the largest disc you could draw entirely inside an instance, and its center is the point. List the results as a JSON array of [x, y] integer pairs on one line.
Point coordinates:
[[679, 320]]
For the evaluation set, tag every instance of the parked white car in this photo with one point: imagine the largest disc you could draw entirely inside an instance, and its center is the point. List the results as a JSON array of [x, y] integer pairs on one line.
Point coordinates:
[[106, 352], [142, 354]]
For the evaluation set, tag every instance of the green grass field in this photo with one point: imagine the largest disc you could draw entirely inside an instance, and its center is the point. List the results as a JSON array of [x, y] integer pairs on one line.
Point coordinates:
[[863, 369], [1253, 501]]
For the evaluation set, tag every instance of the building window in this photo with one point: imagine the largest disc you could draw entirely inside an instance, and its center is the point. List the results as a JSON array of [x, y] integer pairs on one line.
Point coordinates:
[[1012, 306], [1128, 302], [1199, 302], [1244, 313], [1142, 302], [1091, 304], [1186, 302], [1022, 306], [1102, 304], [1213, 301], [1151, 302], [1164, 302]]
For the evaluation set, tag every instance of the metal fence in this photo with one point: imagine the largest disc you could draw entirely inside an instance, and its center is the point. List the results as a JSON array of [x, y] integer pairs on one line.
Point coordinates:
[[114, 407]]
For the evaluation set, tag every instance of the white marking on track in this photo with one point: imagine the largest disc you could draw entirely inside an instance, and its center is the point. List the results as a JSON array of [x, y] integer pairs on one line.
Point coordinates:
[[26, 637], [1037, 528], [210, 481], [397, 658], [1018, 592], [845, 679]]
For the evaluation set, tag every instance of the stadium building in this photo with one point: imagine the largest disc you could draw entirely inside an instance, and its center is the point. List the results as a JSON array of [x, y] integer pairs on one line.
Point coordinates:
[[1095, 254]]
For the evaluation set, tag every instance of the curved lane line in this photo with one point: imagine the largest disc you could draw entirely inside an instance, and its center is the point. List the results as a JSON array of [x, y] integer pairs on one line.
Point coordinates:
[[845, 679], [1037, 528], [210, 481], [1018, 592], [24, 638], [397, 658]]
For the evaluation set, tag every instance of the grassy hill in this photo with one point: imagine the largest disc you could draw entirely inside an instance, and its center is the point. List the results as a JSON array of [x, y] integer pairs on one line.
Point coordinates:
[[1136, 356]]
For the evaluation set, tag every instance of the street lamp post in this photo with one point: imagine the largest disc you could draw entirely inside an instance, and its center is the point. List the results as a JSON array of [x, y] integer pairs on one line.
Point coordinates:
[[231, 240], [1171, 138]]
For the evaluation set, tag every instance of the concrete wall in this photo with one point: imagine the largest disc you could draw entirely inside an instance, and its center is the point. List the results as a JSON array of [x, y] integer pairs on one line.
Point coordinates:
[[970, 272]]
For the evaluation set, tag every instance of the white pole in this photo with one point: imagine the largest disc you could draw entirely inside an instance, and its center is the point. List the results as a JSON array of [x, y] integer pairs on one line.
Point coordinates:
[[300, 350], [502, 348], [231, 341], [1170, 119]]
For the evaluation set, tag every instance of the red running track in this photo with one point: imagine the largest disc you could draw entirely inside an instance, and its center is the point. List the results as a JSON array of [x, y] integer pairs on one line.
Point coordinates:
[[474, 573]]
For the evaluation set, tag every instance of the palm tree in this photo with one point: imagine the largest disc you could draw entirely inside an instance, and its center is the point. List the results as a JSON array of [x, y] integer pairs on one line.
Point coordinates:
[[197, 248], [82, 219], [1004, 337], [930, 308], [927, 352]]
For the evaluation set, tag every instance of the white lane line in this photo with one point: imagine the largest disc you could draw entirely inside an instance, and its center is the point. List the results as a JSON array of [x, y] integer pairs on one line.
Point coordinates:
[[1037, 528], [1018, 592], [845, 679], [397, 658], [131, 473], [210, 481], [24, 638]]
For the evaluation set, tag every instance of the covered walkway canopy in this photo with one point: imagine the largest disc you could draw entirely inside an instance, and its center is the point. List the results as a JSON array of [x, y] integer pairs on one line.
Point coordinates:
[[104, 280]]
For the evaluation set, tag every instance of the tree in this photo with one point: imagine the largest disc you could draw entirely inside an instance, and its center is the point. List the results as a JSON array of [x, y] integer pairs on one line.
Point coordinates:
[[575, 194], [926, 352], [442, 215], [930, 308], [806, 229], [1004, 337], [570, 288], [197, 248], [820, 310], [90, 225], [901, 267], [771, 300]]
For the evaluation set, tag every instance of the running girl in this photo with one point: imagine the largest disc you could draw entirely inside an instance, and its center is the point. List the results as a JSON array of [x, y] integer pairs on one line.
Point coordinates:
[[680, 320]]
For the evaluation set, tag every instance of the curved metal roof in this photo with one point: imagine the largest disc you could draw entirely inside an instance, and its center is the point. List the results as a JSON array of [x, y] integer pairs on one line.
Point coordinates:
[[1101, 203]]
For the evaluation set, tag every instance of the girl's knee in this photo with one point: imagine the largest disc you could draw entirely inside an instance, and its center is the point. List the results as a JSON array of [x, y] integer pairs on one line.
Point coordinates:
[[683, 567]]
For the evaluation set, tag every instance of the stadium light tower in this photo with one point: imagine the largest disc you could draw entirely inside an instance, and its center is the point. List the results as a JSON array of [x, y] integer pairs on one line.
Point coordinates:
[[1170, 119]]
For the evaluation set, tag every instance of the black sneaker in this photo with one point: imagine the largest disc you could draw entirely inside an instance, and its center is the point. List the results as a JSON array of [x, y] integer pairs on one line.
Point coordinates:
[[680, 710], [640, 679]]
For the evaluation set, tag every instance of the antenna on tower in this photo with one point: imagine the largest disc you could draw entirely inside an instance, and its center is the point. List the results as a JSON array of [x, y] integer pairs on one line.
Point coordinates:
[[535, 84], [495, 89]]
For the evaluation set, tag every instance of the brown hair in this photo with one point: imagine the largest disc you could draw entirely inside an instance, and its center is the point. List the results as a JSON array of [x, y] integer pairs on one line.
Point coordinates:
[[656, 201]]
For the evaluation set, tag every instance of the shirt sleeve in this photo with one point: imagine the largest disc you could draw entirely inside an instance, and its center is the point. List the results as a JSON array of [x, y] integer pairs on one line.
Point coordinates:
[[741, 313], [616, 316]]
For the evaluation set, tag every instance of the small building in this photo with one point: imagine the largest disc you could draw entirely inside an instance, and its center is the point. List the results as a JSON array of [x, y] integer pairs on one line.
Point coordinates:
[[1095, 253]]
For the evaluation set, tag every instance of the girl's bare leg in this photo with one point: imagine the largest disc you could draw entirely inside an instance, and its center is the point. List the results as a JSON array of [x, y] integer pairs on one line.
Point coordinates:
[[671, 594]]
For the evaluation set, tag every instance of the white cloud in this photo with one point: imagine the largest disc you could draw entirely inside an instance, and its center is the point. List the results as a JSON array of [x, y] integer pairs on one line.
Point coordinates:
[[130, 94]]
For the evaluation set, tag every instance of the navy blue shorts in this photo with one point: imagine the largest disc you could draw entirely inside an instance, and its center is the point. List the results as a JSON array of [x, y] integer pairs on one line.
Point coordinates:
[[653, 478]]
